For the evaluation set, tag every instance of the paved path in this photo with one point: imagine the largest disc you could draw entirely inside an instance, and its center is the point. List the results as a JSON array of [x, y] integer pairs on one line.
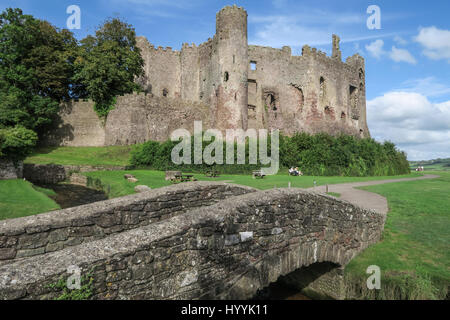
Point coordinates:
[[362, 198]]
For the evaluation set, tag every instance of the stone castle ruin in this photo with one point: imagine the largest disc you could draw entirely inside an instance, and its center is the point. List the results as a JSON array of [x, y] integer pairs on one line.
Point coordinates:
[[227, 84]]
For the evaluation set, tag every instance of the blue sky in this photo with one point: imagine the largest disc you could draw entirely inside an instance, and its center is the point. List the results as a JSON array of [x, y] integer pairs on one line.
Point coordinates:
[[407, 60]]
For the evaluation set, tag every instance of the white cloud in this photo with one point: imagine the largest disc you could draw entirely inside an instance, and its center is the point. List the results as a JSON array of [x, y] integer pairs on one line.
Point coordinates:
[[400, 41], [409, 119], [402, 55], [376, 48], [429, 87], [435, 43]]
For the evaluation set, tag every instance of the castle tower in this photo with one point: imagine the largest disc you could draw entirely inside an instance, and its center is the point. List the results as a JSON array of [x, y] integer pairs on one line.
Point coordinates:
[[232, 49], [360, 113]]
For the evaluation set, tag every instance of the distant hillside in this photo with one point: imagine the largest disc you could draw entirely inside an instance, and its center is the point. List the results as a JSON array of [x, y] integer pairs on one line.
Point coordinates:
[[435, 164]]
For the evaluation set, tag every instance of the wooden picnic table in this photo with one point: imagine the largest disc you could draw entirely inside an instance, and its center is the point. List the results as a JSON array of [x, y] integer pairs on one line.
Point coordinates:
[[183, 178]]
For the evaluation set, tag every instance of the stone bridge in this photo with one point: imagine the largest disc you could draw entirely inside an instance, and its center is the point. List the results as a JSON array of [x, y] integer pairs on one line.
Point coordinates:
[[199, 240]]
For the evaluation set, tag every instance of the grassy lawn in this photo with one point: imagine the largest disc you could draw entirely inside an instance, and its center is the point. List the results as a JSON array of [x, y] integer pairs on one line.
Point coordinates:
[[334, 194], [414, 253], [93, 156], [18, 198], [115, 185]]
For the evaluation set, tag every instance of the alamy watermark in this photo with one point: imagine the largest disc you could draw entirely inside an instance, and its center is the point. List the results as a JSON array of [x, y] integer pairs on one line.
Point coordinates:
[[213, 153], [74, 20], [374, 20], [374, 280], [74, 280]]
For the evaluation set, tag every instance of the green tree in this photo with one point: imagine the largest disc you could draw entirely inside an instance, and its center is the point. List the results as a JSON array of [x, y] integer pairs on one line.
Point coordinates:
[[108, 64], [35, 73]]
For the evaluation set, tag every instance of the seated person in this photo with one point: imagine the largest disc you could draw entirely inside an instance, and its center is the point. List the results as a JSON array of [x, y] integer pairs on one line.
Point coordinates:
[[293, 172]]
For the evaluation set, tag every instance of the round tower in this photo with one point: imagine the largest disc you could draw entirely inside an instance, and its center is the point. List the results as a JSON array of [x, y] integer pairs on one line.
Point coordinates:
[[232, 53]]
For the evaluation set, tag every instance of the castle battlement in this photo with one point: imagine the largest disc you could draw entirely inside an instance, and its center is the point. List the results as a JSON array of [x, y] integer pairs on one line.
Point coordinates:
[[248, 86], [229, 84], [232, 9]]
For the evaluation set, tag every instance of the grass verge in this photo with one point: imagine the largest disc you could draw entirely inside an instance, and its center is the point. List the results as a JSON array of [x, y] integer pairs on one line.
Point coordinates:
[[89, 156], [114, 184], [413, 255], [18, 198], [334, 194]]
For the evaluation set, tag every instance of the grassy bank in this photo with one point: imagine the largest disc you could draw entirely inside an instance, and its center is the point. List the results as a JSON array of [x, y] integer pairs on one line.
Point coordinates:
[[414, 254], [114, 184], [18, 198], [92, 156]]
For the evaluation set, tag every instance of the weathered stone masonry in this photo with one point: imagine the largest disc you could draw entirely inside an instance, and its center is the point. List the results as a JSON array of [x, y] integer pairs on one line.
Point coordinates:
[[227, 250], [55, 173], [39, 234], [10, 169], [227, 83]]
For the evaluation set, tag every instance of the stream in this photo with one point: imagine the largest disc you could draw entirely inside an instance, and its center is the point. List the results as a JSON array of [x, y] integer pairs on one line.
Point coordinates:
[[279, 291], [70, 195]]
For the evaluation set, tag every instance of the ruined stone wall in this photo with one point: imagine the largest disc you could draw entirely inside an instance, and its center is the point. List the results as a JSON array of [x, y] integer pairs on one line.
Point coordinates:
[[138, 118], [77, 125], [225, 251], [162, 70], [48, 232], [308, 93], [10, 170], [55, 173]]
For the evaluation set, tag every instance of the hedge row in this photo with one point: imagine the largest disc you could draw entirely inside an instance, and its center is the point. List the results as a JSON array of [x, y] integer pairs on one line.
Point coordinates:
[[320, 155]]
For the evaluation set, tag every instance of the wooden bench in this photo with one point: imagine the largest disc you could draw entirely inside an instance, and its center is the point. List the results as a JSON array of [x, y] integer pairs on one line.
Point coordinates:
[[258, 174]]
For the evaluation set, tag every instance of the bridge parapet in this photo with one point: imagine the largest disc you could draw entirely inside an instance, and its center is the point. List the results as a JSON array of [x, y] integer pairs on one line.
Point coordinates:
[[227, 250], [53, 231]]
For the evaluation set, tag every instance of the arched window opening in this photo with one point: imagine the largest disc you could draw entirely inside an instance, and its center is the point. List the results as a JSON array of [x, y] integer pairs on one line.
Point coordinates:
[[271, 102], [300, 97], [322, 90], [226, 77], [354, 101], [165, 92]]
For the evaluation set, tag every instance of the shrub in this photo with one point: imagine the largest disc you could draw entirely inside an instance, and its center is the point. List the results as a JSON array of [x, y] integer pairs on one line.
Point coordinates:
[[320, 155], [16, 143]]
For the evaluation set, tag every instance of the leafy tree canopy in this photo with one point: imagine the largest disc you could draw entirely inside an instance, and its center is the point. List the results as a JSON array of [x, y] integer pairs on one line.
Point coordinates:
[[108, 64], [35, 74], [41, 66]]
